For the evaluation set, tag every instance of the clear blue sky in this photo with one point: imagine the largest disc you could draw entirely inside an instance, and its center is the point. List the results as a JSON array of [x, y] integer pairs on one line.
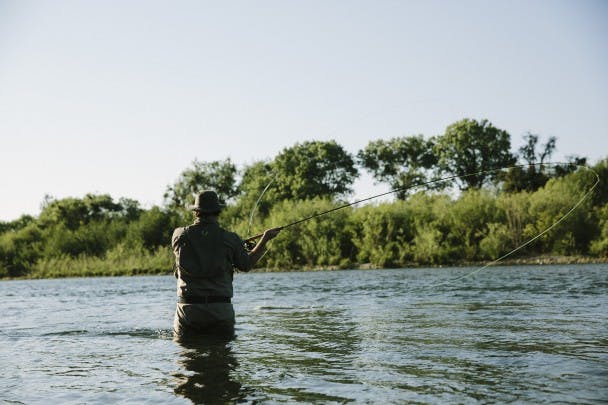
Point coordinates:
[[119, 97]]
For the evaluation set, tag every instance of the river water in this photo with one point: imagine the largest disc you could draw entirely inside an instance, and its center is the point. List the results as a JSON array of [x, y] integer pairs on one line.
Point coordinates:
[[506, 334]]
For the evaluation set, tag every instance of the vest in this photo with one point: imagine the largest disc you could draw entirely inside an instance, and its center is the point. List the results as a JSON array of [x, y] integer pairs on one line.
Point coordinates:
[[200, 251]]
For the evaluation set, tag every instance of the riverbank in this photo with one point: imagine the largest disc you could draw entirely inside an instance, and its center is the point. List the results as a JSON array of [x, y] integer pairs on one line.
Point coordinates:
[[524, 261], [159, 263]]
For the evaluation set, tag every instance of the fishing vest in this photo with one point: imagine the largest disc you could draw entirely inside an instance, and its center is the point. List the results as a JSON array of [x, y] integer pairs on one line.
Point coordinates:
[[201, 251]]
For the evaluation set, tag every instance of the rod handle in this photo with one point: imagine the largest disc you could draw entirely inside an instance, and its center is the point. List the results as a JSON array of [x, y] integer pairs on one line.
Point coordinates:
[[259, 235], [254, 237]]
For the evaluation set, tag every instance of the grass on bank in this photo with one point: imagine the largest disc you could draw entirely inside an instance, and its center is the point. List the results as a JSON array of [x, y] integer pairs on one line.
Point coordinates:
[[116, 262]]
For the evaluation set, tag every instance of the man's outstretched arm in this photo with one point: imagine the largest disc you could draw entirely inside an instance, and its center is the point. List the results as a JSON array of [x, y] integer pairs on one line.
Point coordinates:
[[257, 252]]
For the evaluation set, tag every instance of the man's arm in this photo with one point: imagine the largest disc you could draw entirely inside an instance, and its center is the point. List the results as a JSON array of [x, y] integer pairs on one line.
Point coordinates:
[[257, 252]]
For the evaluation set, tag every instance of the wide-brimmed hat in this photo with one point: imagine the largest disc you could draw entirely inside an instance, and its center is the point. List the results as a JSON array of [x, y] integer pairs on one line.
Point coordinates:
[[207, 202]]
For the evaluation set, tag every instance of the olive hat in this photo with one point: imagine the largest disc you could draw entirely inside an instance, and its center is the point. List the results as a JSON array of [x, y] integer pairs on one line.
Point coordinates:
[[207, 202]]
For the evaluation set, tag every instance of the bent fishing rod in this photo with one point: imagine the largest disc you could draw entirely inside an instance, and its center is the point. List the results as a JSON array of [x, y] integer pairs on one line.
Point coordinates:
[[423, 184]]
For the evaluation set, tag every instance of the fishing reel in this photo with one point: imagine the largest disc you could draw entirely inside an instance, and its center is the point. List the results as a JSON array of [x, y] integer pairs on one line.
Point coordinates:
[[249, 245]]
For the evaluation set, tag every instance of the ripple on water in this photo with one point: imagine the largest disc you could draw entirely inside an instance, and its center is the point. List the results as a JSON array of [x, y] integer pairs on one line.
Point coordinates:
[[506, 335]]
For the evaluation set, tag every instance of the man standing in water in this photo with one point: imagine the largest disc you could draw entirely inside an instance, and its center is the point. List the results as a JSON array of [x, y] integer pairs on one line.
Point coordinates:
[[205, 258]]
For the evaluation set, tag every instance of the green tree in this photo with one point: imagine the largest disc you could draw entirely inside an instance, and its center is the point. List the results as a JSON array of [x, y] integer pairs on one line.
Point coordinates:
[[152, 229], [600, 195], [599, 246], [474, 151], [432, 220], [552, 203], [17, 224], [383, 234], [401, 162], [130, 209], [218, 175], [19, 249], [469, 221], [314, 169], [319, 242], [75, 212], [535, 174], [258, 182]]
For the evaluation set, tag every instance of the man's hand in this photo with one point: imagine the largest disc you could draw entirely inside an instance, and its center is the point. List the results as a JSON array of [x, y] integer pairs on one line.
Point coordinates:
[[257, 251], [270, 234]]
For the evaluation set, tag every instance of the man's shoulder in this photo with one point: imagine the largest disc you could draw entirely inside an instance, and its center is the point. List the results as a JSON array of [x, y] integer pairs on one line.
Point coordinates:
[[232, 238], [178, 233]]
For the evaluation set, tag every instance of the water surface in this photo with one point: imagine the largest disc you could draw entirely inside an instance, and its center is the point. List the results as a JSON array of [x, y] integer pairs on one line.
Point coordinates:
[[506, 334]]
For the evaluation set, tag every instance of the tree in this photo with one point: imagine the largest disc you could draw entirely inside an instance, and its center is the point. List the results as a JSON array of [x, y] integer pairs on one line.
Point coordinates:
[[218, 175], [129, 209], [401, 162], [314, 169], [474, 151], [534, 176], [152, 229], [16, 224], [257, 178], [573, 164], [74, 212], [537, 172]]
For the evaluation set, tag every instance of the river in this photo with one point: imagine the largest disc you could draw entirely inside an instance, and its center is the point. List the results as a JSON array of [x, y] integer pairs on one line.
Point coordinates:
[[524, 334]]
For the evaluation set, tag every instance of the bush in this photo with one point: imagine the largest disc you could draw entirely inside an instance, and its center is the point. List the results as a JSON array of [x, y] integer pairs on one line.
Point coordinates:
[[599, 246], [383, 234], [19, 250], [553, 203], [318, 242]]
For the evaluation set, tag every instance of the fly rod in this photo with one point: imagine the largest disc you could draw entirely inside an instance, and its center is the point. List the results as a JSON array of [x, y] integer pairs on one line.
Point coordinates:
[[318, 214], [426, 183]]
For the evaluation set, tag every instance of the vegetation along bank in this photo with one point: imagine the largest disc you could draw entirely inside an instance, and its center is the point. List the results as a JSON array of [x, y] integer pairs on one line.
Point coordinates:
[[468, 219]]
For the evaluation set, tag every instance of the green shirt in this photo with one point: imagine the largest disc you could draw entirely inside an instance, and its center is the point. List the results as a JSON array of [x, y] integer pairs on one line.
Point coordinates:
[[205, 258]]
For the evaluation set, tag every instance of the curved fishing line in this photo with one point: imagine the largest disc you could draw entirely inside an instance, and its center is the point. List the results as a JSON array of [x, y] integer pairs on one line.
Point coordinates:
[[255, 206], [529, 241], [526, 243]]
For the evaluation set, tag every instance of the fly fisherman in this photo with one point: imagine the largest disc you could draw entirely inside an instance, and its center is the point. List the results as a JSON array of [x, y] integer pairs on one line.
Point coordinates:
[[205, 258]]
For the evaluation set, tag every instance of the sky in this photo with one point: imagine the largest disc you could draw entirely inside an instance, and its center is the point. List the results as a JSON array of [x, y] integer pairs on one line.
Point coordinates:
[[119, 97]]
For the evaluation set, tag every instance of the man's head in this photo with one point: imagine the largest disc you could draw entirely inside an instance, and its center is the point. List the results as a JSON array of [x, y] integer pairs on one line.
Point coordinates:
[[207, 203]]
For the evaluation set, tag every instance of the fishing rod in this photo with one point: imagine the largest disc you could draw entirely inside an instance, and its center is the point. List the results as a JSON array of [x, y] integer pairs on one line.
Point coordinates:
[[426, 183]]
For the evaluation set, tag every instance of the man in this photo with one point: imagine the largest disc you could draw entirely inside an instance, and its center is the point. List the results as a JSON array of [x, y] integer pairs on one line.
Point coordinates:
[[205, 258]]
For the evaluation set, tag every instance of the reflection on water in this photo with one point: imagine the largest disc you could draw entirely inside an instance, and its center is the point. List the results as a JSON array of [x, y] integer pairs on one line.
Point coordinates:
[[207, 364]]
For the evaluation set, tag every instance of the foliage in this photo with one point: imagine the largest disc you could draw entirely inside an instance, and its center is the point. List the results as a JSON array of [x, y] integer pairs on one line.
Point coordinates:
[[401, 162], [19, 249], [314, 169], [534, 170], [152, 229], [600, 196], [473, 151], [599, 246], [534, 176], [218, 175], [383, 234], [96, 235], [17, 224], [258, 185], [553, 202], [311, 243], [75, 212], [469, 222]]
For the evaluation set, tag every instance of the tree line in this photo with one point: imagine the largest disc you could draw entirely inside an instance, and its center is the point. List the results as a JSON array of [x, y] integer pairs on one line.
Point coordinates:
[[467, 210]]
